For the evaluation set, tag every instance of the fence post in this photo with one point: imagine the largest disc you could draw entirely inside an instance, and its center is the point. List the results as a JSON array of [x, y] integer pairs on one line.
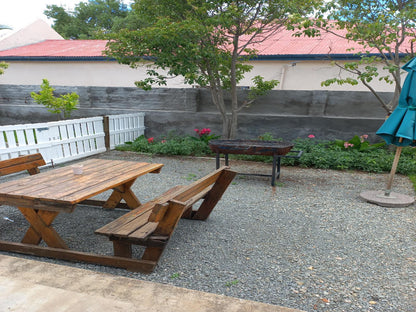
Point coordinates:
[[106, 123]]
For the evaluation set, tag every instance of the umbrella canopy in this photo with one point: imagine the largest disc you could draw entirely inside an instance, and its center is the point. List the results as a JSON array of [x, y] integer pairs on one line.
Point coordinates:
[[399, 129]]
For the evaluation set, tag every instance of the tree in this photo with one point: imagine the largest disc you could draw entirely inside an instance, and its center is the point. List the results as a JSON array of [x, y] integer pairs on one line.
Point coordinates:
[[206, 42], [90, 20], [65, 103], [386, 31]]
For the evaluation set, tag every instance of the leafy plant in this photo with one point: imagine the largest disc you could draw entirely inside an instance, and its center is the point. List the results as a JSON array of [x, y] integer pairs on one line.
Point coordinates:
[[358, 143], [65, 103], [232, 283], [3, 66], [191, 176], [204, 135], [168, 145], [174, 275]]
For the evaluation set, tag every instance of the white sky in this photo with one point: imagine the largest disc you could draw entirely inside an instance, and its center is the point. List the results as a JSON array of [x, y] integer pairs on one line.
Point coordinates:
[[20, 13]]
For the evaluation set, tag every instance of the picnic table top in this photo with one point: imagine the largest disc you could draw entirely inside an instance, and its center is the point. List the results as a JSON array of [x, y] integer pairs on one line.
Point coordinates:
[[61, 189]]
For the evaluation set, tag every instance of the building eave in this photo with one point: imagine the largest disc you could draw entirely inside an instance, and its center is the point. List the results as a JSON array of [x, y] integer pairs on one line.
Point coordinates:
[[56, 59]]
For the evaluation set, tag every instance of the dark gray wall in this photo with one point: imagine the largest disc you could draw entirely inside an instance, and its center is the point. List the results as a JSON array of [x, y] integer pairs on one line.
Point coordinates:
[[284, 113]]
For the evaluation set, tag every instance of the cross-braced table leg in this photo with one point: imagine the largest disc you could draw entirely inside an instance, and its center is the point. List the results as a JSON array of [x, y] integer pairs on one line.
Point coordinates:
[[123, 192], [41, 229]]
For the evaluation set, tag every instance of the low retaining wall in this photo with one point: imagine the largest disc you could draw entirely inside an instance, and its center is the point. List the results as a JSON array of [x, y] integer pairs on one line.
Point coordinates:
[[283, 113]]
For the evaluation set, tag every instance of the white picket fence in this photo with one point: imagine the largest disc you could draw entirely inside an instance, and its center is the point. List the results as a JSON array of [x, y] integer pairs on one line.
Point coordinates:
[[63, 141], [124, 128]]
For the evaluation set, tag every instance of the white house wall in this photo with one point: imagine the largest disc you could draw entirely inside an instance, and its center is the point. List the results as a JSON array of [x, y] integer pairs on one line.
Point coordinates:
[[300, 75]]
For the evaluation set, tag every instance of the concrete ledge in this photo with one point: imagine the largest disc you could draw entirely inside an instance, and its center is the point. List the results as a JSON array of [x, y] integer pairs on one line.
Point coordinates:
[[28, 285]]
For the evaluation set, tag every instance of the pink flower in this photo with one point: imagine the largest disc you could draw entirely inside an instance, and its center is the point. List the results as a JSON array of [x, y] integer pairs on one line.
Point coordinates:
[[347, 145], [196, 130], [150, 140], [163, 141], [311, 136], [205, 131], [363, 137]]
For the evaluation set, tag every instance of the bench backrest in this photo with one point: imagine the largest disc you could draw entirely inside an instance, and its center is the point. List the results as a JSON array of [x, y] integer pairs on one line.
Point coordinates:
[[27, 162]]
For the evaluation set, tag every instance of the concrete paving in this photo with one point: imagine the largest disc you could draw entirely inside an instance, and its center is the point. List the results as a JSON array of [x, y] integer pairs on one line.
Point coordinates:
[[31, 286]]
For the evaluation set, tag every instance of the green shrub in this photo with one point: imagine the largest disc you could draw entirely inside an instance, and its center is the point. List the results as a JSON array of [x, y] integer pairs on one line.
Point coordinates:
[[171, 145], [316, 153]]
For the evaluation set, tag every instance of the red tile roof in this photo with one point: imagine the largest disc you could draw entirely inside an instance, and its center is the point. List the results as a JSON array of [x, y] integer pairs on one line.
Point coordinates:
[[283, 43], [59, 48]]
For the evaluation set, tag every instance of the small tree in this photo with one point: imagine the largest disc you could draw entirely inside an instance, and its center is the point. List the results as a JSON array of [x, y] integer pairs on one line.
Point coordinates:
[[3, 66], [206, 42], [65, 103], [386, 31]]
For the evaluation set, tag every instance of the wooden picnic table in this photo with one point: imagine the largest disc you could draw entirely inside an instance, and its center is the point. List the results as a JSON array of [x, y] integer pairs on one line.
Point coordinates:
[[41, 197]]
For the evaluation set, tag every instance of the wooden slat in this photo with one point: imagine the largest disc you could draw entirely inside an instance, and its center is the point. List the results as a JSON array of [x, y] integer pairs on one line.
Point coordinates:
[[114, 225], [74, 184], [134, 265], [100, 203], [21, 163], [198, 186], [197, 197], [111, 182], [144, 231], [132, 226]]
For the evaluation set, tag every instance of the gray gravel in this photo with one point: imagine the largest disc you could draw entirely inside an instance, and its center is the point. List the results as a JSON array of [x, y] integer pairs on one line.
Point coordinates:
[[309, 243]]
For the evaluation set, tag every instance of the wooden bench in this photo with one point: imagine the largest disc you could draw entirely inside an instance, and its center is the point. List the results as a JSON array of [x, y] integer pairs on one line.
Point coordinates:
[[153, 223], [31, 163]]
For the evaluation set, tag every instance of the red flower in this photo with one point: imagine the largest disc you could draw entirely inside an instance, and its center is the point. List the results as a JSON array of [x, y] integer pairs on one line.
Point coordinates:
[[150, 140]]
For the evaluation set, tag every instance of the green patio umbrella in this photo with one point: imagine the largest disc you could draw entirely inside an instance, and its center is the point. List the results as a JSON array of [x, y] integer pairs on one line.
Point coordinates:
[[399, 129]]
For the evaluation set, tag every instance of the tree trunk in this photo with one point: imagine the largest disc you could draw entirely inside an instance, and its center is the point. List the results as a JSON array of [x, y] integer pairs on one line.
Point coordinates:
[[217, 96], [234, 98]]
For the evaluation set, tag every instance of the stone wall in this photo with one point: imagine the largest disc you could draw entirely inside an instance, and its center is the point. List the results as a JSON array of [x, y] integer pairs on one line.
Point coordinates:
[[284, 113]]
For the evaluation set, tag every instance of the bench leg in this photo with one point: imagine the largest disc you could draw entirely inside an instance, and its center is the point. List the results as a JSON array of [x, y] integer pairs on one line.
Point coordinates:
[[122, 249], [153, 253], [214, 195]]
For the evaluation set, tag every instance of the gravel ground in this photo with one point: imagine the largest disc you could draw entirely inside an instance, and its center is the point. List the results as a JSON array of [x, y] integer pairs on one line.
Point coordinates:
[[309, 243]]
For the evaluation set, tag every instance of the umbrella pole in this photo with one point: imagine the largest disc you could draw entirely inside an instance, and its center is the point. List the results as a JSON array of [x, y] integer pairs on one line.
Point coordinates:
[[393, 170]]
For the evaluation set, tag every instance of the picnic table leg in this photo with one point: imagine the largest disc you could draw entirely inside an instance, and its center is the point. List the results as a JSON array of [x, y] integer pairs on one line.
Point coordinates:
[[217, 160], [41, 228], [123, 192], [33, 237], [214, 195]]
